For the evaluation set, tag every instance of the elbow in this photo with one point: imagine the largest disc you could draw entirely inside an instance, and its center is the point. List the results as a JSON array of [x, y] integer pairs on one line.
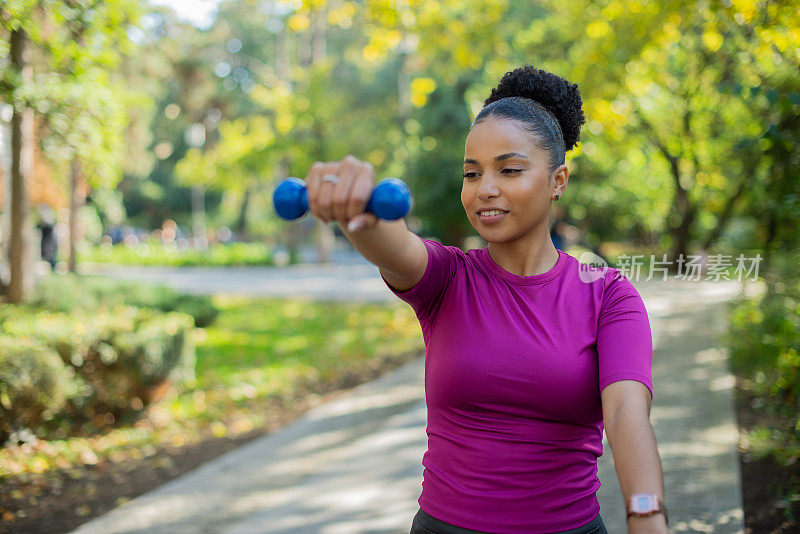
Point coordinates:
[[624, 418], [625, 404]]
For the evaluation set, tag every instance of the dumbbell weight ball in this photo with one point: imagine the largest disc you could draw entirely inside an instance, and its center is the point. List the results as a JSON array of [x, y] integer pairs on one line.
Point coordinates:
[[390, 199]]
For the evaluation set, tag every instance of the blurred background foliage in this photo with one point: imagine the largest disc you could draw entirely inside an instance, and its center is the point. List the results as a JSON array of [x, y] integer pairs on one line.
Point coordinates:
[[690, 140]]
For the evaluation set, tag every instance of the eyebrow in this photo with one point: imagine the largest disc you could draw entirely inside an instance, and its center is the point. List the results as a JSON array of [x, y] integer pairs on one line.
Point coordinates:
[[501, 157]]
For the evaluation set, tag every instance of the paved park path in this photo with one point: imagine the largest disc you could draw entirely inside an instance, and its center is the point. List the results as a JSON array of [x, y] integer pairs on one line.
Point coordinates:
[[348, 277], [352, 465]]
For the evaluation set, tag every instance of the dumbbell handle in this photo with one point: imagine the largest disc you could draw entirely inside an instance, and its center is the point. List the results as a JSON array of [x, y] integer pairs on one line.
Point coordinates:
[[390, 199]]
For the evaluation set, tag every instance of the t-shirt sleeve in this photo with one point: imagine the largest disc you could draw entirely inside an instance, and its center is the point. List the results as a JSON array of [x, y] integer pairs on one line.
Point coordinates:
[[425, 297], [624, 338]]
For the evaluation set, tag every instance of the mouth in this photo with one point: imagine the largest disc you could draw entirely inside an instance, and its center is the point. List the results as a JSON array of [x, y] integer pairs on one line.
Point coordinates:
[[490, 215]]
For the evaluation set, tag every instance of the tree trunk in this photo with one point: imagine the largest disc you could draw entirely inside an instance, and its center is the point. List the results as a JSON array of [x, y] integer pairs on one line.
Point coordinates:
[[685, 211], [319, 45], [21, 281], [241, 222], [772, 231], [326, 238], [282, 62], [199, 239], [682, 232], [725, 216], [75, 205], [293, 232]]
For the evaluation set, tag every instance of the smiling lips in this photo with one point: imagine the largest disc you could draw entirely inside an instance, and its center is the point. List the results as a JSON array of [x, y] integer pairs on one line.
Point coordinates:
[[491, 215]]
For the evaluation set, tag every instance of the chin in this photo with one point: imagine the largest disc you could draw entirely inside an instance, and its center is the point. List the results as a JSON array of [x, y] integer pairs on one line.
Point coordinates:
[[492, 237]]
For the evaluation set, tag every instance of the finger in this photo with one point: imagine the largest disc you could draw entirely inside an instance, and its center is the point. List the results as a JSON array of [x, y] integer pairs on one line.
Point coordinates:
[[325, 199], [361, 190], [347, 174], [320, 192], [361, 222], [312, 185]]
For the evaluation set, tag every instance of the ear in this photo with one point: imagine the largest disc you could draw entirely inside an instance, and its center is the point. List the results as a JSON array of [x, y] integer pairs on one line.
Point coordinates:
[[559, 179]]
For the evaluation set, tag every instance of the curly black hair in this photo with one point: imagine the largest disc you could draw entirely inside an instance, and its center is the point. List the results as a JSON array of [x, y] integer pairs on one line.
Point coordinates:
[[547, 105]]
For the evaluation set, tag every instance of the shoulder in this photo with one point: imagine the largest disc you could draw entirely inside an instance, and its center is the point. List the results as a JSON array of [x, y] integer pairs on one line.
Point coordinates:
[[438, 248], [593, 273], [584, 278], [616, 285], [621, 299], [597, 287], [459, 259]]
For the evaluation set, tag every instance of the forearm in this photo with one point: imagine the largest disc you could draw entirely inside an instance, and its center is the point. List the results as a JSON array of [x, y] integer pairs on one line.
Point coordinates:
[[637, 462], [399, 254], [340, 191]]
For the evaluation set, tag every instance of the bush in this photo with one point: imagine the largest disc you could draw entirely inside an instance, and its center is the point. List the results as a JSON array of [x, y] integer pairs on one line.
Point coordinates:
[[34, 383], [764, 337], [160, 348], [70, 292], [124, 354]]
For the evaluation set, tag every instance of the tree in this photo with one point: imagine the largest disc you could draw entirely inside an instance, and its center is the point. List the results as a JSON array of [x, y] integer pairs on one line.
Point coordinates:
[[675, 103], [81, 105], [16, 17], [86, 103], [672, 153]]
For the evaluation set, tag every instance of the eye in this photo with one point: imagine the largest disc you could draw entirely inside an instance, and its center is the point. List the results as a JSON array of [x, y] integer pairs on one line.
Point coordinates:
[[511, 171], [470, 175]]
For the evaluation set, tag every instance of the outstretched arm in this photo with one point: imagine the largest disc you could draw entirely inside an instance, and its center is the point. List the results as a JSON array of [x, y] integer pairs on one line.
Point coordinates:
[[400, 255], [626, 417]]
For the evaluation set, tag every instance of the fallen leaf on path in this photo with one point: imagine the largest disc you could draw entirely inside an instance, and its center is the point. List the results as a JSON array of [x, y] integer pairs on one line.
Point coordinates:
[[83, 510]]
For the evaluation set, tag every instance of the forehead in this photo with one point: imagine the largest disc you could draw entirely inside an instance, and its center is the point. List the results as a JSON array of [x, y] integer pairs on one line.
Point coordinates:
[[499, 136]]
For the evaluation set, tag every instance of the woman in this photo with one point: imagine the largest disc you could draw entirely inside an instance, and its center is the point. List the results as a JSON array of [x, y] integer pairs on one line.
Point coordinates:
[[528, 354]]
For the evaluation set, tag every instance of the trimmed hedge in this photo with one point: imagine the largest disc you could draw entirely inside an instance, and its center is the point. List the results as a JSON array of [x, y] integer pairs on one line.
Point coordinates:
[[124, 358], [34, 383], [70, 292]]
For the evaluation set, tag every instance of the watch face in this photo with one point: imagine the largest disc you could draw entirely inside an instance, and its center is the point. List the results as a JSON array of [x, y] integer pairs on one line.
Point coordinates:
[[642, 503]]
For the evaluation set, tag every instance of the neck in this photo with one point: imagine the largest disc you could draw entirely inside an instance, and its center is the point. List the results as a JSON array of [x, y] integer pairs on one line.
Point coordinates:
[[525, 258]]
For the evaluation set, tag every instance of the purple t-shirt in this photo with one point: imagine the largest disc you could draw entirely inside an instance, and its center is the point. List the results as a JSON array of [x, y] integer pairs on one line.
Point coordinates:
[[514, 367]]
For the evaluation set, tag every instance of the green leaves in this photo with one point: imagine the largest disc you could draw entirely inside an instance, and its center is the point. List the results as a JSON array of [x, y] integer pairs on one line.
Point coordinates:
[[81, 102], [16, 14]]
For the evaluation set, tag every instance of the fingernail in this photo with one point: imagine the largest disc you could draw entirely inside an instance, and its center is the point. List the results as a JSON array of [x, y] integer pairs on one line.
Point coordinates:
[[354, 226]]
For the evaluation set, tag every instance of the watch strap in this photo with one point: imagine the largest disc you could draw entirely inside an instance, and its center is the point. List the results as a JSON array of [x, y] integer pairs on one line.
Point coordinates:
[[661, 508]]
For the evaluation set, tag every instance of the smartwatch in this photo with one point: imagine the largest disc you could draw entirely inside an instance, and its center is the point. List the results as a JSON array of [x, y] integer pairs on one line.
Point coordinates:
[[645, 505]]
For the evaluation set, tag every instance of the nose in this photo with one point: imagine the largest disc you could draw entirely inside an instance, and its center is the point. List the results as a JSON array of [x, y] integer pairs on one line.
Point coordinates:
[[487, 189]]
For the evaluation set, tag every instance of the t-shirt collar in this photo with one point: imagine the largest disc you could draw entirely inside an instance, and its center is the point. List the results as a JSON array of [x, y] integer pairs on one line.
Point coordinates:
[[524, 280]]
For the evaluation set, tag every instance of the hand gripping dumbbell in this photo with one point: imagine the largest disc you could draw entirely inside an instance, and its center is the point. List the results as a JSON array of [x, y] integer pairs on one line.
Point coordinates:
[[390, 199]]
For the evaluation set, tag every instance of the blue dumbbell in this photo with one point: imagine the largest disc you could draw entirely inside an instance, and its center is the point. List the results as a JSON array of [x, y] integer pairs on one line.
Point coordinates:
[[390, 200]]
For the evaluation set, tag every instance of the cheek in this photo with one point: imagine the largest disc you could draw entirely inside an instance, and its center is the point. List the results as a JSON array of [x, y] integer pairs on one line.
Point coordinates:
[[539, 190]]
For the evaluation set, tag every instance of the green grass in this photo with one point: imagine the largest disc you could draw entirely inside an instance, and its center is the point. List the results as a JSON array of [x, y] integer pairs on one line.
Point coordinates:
[[169, 255], [265, 348], [258, 352]]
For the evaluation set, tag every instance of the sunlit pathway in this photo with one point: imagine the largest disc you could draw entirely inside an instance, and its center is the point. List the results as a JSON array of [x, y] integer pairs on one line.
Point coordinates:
[[348, 466], [355, 281], [693, 411], [352, 465]]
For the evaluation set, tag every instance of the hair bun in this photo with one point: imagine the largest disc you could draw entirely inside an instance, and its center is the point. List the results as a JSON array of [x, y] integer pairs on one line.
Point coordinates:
[[559, 96]]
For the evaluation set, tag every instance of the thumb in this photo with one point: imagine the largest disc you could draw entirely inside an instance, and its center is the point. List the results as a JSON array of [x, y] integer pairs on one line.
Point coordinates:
[[362, 221]]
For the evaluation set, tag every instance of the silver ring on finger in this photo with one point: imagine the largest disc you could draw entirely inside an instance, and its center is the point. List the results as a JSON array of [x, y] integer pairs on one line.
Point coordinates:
[[330, 178]]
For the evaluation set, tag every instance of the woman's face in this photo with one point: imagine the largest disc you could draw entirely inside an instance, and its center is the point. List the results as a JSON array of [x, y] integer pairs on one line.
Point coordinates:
[[506, 190]]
